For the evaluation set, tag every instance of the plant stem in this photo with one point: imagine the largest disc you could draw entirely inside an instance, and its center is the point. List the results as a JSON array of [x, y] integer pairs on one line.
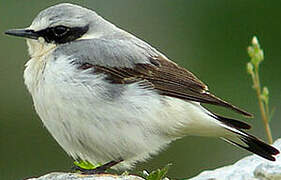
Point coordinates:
[[261, 105]]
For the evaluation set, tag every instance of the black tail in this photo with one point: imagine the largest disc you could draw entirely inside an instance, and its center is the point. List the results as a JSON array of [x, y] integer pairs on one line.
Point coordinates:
[[244, 140], [252, 144]]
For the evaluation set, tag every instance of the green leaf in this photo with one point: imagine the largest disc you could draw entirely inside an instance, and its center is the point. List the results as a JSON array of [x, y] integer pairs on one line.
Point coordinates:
[[265, 95], [125, 173], [158, 174], [271, 114], [86, 165], [250, 68]]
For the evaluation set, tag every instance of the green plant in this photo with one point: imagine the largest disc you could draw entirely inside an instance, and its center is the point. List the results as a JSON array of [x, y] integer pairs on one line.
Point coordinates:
[[257, 56], [85, 164], [158, 174]]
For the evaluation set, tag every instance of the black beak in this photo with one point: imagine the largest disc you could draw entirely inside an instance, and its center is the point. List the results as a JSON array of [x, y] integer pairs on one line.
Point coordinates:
[[27, 33]]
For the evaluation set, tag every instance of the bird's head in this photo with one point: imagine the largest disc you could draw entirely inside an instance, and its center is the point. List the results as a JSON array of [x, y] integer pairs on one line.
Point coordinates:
[[60, 24]]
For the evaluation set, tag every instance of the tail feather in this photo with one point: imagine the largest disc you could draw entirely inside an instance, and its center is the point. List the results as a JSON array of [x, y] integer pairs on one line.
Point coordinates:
[[235, 135], [252, 144], [231, 122]]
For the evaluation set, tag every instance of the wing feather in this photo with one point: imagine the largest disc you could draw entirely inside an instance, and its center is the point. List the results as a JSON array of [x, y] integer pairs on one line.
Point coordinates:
[[167, 78]]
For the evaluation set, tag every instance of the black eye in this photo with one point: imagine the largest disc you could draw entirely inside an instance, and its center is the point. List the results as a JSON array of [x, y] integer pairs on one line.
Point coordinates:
[[60, 31]]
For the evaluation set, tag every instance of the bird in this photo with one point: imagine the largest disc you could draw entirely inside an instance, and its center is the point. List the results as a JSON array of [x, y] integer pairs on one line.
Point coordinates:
[[108, 97]]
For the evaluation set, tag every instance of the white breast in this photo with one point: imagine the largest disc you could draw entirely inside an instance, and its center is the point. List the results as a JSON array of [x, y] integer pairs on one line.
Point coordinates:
[[85, 121]]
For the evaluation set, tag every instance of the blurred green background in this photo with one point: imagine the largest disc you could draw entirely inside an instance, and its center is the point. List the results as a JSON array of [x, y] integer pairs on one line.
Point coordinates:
[[207, 37]]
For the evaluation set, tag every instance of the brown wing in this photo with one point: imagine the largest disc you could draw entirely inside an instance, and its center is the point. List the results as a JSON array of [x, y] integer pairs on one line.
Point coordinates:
[[166, 77]]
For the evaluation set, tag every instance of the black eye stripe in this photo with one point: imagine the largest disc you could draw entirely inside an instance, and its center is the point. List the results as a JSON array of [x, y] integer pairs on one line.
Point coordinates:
[[62, 34]]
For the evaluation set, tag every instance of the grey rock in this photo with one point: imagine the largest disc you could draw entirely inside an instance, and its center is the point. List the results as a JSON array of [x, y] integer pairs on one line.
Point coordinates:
[[76, 176], [268, 172], [248, 168]]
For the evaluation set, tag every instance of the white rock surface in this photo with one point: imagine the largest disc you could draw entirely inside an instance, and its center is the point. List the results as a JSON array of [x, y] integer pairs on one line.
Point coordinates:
[[76, 176], [248, 168]]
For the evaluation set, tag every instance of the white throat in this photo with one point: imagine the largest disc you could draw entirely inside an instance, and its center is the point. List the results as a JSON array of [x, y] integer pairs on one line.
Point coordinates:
[[40, 53], [38, 48]]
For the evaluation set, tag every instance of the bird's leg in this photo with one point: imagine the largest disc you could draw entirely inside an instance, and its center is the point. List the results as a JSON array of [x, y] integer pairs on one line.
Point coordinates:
[[98, 170]]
